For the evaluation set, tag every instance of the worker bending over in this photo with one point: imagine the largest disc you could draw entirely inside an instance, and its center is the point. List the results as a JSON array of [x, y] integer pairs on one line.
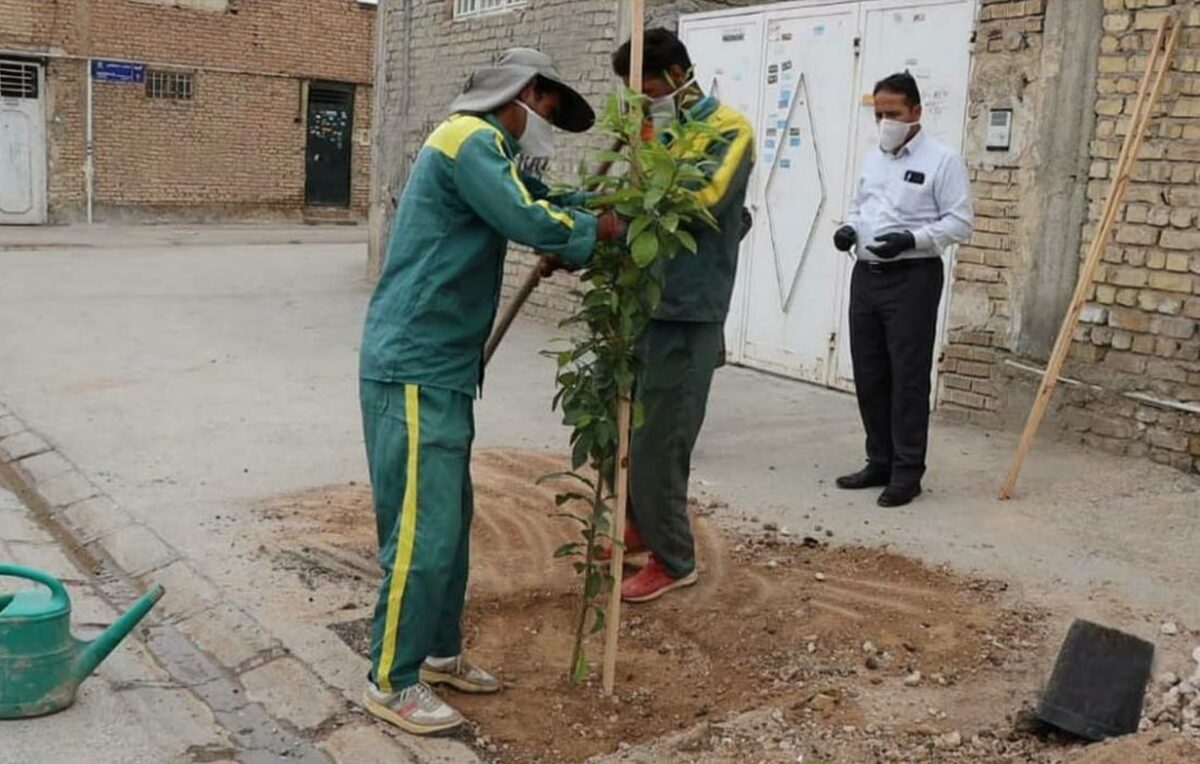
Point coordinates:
[[422, 365]]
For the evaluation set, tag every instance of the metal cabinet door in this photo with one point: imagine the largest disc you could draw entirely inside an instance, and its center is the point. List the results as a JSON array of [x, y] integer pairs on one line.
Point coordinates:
[[22, 144]]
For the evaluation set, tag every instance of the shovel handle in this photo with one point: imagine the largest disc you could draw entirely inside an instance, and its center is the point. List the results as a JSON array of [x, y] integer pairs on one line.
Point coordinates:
[[58, 593], [510, 313]]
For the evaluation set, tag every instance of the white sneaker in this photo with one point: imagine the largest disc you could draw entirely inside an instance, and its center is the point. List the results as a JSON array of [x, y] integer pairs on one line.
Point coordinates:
[[416, 709], [459, 673]]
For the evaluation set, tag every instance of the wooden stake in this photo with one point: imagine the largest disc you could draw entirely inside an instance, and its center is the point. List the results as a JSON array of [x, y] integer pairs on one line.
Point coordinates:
[[624, 413], [613, 616], [1156, 70]]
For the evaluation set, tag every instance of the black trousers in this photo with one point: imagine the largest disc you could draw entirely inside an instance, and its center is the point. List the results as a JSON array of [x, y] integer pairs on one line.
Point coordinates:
[[893, 326]]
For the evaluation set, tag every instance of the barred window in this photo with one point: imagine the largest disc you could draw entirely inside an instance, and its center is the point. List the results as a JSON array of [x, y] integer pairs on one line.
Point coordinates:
[[175, 86], [18, 79], [466, 8]]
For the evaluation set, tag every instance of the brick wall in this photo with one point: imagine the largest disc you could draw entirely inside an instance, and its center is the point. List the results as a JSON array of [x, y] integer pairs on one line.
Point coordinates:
[[1134, 367], [239, 146], [1139, 337], [987, 278]]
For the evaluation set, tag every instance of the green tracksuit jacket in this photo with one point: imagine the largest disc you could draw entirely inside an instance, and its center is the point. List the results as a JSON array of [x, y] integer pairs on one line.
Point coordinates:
[[421, 366], [680, 348]]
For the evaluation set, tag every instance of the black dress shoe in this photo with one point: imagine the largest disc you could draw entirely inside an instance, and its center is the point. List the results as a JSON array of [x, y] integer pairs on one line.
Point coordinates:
[[868, 477], [899, 495]]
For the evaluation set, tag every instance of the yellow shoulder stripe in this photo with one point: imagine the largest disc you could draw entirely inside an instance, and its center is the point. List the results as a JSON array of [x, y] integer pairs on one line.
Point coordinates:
[[526, 198], [449, 137], [728, 121]]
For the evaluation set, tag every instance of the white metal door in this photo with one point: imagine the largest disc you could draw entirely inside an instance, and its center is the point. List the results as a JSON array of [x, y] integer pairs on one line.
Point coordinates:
[[728, 57], [22, 144], [932, 40], [792, 275], [789, 313]]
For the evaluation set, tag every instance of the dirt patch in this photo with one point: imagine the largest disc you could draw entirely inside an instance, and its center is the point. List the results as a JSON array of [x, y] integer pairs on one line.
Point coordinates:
[[832, 639], [1144, 748]]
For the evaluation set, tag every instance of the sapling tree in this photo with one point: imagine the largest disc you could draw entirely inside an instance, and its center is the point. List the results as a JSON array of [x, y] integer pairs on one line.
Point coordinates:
[[620, 289]]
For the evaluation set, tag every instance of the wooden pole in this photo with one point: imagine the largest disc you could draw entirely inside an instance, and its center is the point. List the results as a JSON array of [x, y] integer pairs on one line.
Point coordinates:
[[1157, 66], [624, 412]]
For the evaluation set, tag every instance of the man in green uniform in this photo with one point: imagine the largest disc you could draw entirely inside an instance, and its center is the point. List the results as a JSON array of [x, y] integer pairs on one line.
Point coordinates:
[[421, 364], [683, 343]]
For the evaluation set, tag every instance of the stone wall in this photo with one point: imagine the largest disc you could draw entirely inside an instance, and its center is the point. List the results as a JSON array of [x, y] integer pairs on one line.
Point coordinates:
[[239, 145]]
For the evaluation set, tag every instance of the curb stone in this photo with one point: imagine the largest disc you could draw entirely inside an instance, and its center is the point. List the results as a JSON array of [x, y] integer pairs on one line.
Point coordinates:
[[77, 508], [205, 645]]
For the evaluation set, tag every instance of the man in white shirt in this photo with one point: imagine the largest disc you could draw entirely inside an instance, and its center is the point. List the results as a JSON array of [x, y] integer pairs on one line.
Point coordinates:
[[912, 202]]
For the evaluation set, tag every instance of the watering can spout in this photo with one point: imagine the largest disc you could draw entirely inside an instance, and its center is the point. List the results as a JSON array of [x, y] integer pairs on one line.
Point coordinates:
[[94, 652]]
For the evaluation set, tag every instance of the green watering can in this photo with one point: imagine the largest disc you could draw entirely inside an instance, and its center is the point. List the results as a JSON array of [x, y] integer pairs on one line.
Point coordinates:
[[41, 664]]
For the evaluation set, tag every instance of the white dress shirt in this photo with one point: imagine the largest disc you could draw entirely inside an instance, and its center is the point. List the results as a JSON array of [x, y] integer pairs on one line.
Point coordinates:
[[923, 188]]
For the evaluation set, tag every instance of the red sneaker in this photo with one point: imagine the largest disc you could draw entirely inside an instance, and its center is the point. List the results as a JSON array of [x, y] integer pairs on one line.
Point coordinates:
[[633, 545], [652, 582]]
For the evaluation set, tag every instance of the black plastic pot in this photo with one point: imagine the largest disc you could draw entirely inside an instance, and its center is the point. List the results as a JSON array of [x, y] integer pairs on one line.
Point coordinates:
[[1098, 683]]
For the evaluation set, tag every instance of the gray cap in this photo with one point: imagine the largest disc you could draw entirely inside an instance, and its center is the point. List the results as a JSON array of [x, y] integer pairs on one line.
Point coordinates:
[[490, 87]]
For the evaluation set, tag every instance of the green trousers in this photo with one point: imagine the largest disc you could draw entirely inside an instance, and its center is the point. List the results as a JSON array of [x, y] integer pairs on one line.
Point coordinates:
[[678, 358], [419, 454]]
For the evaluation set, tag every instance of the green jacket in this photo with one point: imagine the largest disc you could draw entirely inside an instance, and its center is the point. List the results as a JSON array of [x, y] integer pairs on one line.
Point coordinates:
[[437, 296], [698, 287]]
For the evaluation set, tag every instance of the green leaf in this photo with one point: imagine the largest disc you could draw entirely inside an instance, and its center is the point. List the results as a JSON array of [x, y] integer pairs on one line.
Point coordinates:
[[639, 224], [569, 496], [566, 474], [639, 414], [581, 520], [579, 671], [653, 198], [687, 240], [670, 221], [579, 454], [598, 625], [595, 581], [567, 550], [645, 249]]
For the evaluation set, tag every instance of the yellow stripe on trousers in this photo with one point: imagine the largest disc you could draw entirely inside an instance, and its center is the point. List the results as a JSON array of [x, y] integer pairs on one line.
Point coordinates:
[[404, 544]]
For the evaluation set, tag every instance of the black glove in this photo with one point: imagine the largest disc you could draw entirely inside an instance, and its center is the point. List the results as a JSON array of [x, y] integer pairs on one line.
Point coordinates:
[[844, 238], [892, 245]]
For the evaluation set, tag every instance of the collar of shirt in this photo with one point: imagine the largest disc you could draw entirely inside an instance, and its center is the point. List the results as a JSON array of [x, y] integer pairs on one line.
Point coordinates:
[[510, 142], [699, 109]]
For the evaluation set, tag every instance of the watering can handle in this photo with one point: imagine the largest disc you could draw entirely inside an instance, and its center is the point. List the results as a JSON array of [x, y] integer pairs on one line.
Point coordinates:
[[58, 593]]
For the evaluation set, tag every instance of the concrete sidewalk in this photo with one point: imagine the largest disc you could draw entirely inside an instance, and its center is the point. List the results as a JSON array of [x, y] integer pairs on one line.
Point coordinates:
[[189, 382], [130, 711]]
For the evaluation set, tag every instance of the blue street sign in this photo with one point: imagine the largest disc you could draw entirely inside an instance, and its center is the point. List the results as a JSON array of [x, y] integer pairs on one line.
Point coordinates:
[[118, 71]]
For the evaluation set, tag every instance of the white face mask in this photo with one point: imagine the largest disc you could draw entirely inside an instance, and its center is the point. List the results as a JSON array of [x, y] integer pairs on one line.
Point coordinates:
[[537, 142], [893, 134], [664, 111]]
